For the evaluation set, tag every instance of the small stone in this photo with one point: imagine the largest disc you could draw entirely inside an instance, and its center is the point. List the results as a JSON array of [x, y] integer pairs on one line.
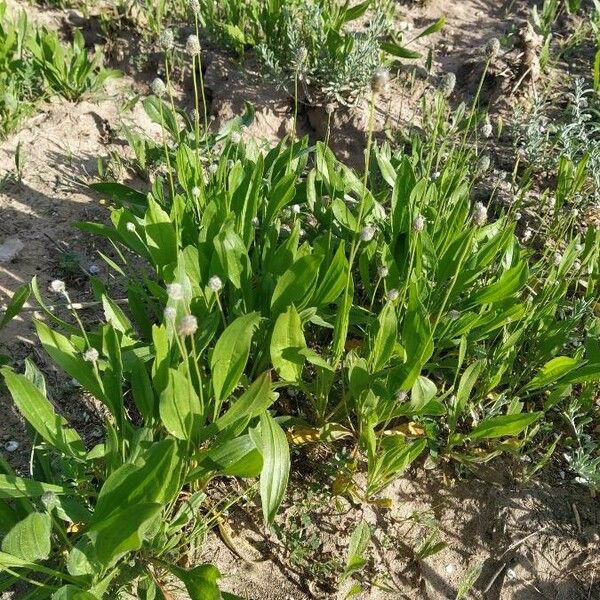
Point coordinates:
[[11, 446], [10, 249]]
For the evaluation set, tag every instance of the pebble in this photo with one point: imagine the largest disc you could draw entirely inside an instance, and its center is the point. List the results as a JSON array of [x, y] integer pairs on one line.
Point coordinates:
[[10, 249], [11, 446]]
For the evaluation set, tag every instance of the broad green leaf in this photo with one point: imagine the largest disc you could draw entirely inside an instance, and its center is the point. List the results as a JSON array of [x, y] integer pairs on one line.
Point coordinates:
[[465, 387], [286, 344], [315, 359], [131, 497], [238, 458], [282, 194], [344, 215], [423, 390], [29, 539], [276, 466], [417, 339], [504, 425], [433, 28], [256, 399], [200, 582], [333, 281], [142, 390], [359, 542], [510, 282], [160, 236], [180, 409], [9, 561], [585, 374], [396, 457], [399, 51], [122, 531], [386, 168], [119, 193], [12, 486], [356, 11], [115, 316], [296, 284], [230, 354], [8, 517], [63, 353], [385, 339], [35, 376], [39, 413], [552, 371], [70, 592], [15, 305], [232, 255]]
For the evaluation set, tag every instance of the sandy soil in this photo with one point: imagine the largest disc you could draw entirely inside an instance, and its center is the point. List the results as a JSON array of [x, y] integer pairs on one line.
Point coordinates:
[[532, 540]]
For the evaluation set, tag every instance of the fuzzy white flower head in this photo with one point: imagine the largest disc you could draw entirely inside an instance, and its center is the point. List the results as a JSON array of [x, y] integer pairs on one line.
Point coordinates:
[[296, 209], [400, 395], [557, 258], [419, 223], [380, 80], [255, 222], [192, 45], [130, 226], [453, 315], [175, 291], [367, 234], [215, 284], [213, 168], [166, 39], [91, 355], [194, 6], [330, 108], [447, 84], [487, 129], [492, 48], [518, 216], [392, 295], [236, 137], [58, 286], [158, 87], [196, 192], [383, 271], [435, 176], [187, 325], [480, 215], [170, 313], [484, 163], [527, 235]]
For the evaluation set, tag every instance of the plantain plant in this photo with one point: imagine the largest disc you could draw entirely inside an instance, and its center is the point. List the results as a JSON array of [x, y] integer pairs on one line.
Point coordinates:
[[399, 317], [123, 515], [68, 70]]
